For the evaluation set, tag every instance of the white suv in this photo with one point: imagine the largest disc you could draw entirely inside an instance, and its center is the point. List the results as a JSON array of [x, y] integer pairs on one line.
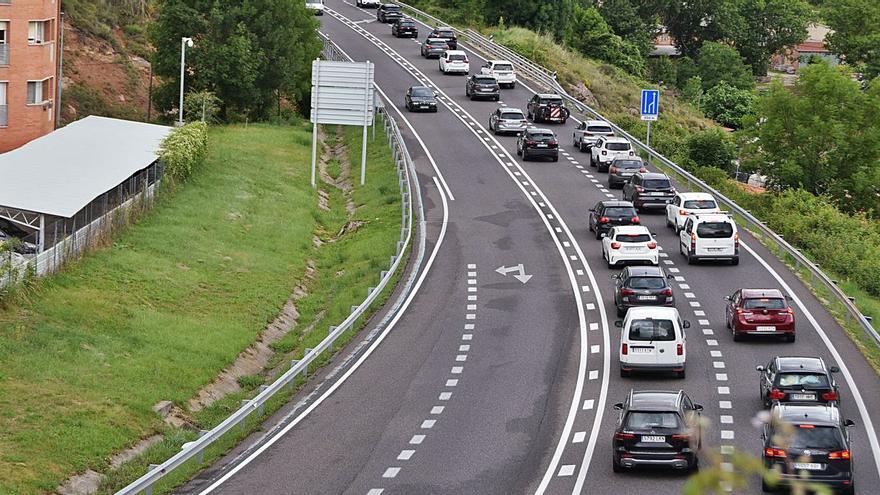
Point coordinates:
[[607, 149], [502, 70], [710, 236], [454, 61], [689, 203], [652, 339], [369, 3], [316, 5], [629, 244]]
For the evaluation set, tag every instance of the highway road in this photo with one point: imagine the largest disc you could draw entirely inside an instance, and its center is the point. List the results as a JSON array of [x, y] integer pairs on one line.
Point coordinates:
[[491, 384]]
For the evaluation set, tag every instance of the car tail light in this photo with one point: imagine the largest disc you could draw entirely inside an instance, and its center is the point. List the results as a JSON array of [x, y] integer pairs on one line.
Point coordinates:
[[776, 394], [643, 170], [615, 245], [736, 240], [624, 436], [774, 452], [553, 142], [635, 220], [612, 170], [624, 349], [588, 134], [604, 220], [604, 152], [667, 292], [840, 455], [530, 142], [679, 350], [640, 189], [652, 245], [682, 213], [681, 437], [807, 427], [829, 395], [627, 292], [693, 242]]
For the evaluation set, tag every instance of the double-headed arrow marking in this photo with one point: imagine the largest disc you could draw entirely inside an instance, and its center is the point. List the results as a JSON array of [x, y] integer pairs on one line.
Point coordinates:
[[521, 272]]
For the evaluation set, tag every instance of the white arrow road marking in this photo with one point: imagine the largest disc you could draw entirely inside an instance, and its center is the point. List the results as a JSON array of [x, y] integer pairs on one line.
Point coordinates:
[[521, 275]]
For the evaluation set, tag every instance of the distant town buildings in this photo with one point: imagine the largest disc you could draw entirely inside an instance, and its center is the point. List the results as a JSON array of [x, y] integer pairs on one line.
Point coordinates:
[[29, 51]]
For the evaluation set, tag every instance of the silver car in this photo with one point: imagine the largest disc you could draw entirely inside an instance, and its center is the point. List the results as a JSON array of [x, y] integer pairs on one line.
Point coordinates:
[[506, 119]]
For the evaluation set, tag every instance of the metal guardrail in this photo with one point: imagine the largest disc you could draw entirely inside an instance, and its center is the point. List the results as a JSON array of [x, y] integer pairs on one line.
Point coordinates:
[[779, 246], [406, 172]]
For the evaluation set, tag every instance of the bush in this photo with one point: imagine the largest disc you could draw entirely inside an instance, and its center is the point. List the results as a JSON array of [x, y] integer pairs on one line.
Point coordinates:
[[711, 148], [184, 150], [727, 105], [201, 105]]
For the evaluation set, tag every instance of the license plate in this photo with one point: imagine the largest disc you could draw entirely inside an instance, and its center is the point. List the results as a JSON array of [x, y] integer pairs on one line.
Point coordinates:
[[715, 250], [766, 329], [641, 350], [803, 396], [633, 249], [655, 194], [647, 298], [653, 438], [542, 146], [807, 466]]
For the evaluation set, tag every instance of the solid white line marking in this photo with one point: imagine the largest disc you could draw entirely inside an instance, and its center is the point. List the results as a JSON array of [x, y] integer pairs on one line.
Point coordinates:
[[437, 409], [588, 404], [579, 437], [428, 424], [405, 455], [391, 472], [567, 470], [727, 420]]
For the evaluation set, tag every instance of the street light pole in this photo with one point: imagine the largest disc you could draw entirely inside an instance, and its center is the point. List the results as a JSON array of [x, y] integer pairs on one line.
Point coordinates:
[[184, 42]]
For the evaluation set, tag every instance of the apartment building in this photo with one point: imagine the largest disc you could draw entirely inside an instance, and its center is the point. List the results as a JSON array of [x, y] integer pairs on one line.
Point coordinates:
[[29, 50]]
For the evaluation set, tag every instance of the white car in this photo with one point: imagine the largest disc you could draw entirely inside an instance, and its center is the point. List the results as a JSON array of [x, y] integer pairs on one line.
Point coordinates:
[[454, 62], [711, 236], [652, 339], [607, 149], [689, 203], [369, 3], [588, 131], [316, 5], [502, 70], [629, 244]]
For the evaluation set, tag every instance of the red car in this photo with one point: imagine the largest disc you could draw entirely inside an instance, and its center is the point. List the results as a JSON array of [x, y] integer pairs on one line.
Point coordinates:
[[759, 312]]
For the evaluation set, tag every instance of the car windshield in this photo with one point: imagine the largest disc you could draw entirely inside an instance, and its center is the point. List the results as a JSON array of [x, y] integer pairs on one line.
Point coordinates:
[[513, 116], [540, 136], [765, 303], [485, 80], [392, 8], [715, 230], [456, 57], [699, 204], [423, 92], [656, 183], [620, 211], [639, 420], [618, 146], [816, 437], [503, 67], [646, 283], [406, 24], [599, 129], [633, 238], [551, 101], [808, 380], [646, 330], [628, 164], [444, 33]]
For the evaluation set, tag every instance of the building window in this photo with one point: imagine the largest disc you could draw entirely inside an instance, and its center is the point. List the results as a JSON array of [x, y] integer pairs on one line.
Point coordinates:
[[37, 32], [4, 114], [38, 92], [4, 42]]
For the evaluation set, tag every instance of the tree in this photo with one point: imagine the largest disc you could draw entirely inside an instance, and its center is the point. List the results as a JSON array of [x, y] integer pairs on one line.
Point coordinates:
[[711, 148], [694, 22], [635, 25], [856, 35], [823, 136], [693, 90], [722, 63], [589, 34], [727, 105]]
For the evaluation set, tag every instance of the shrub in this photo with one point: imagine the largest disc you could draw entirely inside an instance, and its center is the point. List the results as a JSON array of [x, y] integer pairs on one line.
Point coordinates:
[[184, 150], [201, 105], [727, 105], [711, 148]]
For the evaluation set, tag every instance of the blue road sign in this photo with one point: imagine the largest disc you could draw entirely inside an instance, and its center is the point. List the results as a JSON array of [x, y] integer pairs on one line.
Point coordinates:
[[650, 104]]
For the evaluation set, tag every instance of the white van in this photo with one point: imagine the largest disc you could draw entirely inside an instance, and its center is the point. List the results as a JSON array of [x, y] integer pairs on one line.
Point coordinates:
[[711, 236], [652, 339], [316, 5]]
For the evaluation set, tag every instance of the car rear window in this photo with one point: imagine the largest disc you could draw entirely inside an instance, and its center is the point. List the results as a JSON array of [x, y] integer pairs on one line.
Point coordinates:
[[512, 116], [618, 146], [503, 67], [540, 136], [646, 283], [599, 129], [816, 437], [765, 303], [485, 80], [647, 330], [715, 230], [457, 57], [445, 33], [700, 204], [656, 183], [809, 380], [551, 101], [422, 92], [392, 8], [628, 164], [620, 211], [633, 238], [639, 420], [407, 24], [436, 41]]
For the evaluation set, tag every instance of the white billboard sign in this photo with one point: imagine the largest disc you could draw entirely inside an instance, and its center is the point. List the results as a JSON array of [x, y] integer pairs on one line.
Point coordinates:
[[342, 93]]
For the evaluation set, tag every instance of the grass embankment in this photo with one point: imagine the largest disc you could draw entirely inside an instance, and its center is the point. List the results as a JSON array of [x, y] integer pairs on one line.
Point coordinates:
[[157, 315]]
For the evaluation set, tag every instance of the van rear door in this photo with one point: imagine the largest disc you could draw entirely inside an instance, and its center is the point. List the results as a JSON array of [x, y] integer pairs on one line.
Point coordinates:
[[715, 238]]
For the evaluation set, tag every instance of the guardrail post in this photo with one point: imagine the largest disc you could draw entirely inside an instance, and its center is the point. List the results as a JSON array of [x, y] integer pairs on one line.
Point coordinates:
[[292, 381], [393, 259], [201, 454], [150, 467], [243, 422], [370, 291], [262, 408]]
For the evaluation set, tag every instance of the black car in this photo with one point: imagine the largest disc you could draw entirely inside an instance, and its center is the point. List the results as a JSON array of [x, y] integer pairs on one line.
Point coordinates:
[[533, 143], [421, 98], [480, 86], [649, 190], [642, 286], [446, 33], [547, 108], [405, 28], [610, 213], [434, 48], [798, 380], [808, 442], [657, 428], [389, 12], [622, 169]]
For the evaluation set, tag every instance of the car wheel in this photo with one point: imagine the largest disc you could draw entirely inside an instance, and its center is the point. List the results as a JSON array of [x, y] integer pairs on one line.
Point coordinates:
[[592, 162], [766, 488], [518, 151], [737, 337], [599, 236], [668, 223], [610, 264], [621, 312], [615, 466], [556, 158], [690, 258], [681, 374], [525, 156], [624, 373], [498, 98], [735, 261], [790, 337]]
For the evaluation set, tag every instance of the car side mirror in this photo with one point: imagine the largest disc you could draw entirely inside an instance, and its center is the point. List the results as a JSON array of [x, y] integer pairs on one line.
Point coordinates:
[[615, 276], [848, 423], [759, 368], [788, 298], [618, 323], [834, 369], [603, 235], [670, 276], [698, 407], [727, 298], [618, 406], [686, 324]]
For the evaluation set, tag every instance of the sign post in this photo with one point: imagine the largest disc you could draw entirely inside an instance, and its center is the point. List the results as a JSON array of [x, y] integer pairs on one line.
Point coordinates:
[[342, 94], [650, 109]]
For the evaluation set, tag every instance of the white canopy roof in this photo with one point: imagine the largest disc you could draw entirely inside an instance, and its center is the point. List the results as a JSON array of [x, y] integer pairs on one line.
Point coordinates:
[[62, 172]]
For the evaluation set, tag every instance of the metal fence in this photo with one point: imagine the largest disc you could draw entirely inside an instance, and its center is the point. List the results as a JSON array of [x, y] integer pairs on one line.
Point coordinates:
[[409, 190], [821, 283]]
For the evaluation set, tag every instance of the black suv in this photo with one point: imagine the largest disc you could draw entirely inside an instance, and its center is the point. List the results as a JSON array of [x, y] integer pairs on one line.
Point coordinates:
[[537, 142], [622, 169], [547, 108], [798, 379], [657, 428], [420, 98], [389, 12], [810, 443], [446, 33], [649, 190], [405, 28], [642, 286], [480, 86], [610, 213]]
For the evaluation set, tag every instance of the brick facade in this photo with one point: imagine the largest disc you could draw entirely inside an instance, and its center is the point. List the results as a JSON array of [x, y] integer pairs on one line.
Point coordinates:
[[29, 34]]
